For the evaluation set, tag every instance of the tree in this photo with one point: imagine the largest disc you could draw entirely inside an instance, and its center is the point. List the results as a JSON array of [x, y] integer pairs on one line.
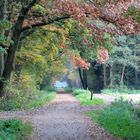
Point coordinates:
[[122, 57], [31, 16]]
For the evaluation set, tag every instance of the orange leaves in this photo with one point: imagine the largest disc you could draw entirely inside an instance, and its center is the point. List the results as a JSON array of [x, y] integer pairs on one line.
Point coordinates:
[[114, 12], [103, 55], [76, 10], [82, 63]]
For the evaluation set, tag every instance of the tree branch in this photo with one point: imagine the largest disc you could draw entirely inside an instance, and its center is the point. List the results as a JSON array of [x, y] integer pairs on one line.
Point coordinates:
[[22, 15], [29, 6], [43, 23]]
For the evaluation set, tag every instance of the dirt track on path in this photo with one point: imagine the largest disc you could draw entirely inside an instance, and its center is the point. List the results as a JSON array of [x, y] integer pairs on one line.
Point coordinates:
[[62, 119]]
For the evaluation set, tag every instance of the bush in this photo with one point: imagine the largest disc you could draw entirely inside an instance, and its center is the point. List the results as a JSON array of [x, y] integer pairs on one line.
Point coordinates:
[[80, 91], [68, 89], [20, 101], [50, 89], [120, 119], [84, 97], [14, 130]]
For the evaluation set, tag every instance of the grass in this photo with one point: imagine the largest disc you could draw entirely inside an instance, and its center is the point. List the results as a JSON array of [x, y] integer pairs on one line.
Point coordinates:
[[84, 97], [120, 119], [26, 101], [120, 90], [14, 130], [41, 99]]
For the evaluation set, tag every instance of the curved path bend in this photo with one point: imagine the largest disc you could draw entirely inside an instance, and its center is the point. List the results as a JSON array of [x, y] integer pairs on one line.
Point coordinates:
[[62, 119]]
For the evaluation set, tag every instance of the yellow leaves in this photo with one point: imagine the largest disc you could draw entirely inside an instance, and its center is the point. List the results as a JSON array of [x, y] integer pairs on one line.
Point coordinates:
[[54, 29], [30, 58]]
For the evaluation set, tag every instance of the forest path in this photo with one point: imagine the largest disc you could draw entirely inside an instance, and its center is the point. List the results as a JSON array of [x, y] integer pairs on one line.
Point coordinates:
[[62, 119]]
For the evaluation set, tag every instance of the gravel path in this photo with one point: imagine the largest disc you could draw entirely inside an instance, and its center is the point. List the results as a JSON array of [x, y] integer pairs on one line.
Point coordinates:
[[62, 119]]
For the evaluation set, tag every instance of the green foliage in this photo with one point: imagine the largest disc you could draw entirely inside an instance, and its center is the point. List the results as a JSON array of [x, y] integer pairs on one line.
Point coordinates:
[[84, 97], [120, 90], [5, 24], [2, 50], [80, 40], [107, 43], [68, 89], [135, 13], [39, 9], [120, 119], [19, 99], [41, 55], [123, 56], [41, 99], [123, 63], [14, 130], [50, 89], [80, 91]]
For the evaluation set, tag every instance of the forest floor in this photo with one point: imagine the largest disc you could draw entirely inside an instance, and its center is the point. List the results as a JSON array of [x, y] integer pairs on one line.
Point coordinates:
[[62, 119]]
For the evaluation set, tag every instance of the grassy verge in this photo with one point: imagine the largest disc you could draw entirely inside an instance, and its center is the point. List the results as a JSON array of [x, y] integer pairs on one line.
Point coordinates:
[[26, 101], [14, 130], [84, 97], [120, 119], [120, 90], [41, 99]]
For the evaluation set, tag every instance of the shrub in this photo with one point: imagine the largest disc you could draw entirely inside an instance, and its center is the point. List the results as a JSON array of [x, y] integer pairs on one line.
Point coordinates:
[[80, 91], [84, 97], [68, 89], [50, 89], [120, 119], [14, 130], [20, 101]]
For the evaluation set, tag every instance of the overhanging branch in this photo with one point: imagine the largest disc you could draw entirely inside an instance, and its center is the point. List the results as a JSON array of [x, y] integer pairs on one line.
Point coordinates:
[[43, 23]]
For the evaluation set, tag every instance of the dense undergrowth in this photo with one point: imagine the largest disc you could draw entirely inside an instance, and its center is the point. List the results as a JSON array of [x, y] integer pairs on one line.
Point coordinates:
[[30, 100], [14, 130], [84, 97], [120, 119]]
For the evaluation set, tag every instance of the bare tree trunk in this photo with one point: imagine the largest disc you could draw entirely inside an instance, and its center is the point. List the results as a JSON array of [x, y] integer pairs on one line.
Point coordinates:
[[104, 71], [111, 76], [83, 78], [122, 75], [1, 64]]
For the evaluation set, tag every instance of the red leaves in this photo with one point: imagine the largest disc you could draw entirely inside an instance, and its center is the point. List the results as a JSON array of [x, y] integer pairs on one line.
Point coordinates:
[[82, 63], [114, 12], [77, 10], [103, 55]]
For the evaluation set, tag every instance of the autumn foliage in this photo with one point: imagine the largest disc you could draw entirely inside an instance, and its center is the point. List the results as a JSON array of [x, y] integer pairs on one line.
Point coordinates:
[[82, 63], [28, 15]]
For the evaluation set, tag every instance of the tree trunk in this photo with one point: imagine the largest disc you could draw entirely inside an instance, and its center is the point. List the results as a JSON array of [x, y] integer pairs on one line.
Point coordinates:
[[111, 76], [9, 63], [122, 75], [1, 64], [3, 16], [104, 71], [83, 77]]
